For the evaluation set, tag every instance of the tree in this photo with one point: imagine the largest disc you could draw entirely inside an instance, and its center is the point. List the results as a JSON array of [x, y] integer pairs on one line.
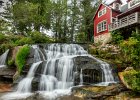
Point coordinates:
[[89, 8]]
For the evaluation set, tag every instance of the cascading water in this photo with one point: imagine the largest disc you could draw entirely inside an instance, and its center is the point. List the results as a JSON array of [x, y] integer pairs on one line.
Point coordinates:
[[24, 86], [57, 74], [3, 58], [81, 77]]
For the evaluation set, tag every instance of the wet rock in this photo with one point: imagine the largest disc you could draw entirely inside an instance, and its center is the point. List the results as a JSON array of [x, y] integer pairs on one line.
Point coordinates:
[[6, 74], [14, 52], [5, 87], [98, 92], [91, 70]]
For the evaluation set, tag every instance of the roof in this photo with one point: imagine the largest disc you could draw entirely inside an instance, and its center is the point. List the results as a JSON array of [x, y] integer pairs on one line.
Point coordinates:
[[124, 8], [107, 7]]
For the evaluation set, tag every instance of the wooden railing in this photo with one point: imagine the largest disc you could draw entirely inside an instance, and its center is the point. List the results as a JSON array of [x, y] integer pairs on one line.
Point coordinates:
[[125, 21]]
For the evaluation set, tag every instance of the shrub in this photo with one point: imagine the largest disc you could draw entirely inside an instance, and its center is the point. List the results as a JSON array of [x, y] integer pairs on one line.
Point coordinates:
[[13, 38], [21, 57], [131, 49], [81, 37], [24, 40], [38, 37], [133, 80], [2, 38], [11, 62], [116, 37], [5, 46]]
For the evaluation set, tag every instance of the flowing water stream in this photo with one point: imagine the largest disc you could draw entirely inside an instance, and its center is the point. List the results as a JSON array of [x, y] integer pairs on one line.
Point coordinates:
[[3, 58], [57, 75]]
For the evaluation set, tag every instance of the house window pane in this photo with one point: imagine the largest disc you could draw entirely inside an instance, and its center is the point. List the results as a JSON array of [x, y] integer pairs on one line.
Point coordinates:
[[102, 26], [102, 12]]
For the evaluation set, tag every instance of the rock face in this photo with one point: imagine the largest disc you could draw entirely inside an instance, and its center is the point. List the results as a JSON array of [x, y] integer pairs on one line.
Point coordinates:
[[98, 92], [91, 70], [6, 74]]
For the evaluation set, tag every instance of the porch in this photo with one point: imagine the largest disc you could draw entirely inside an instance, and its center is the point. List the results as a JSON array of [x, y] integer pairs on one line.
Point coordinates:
[[131, 19]]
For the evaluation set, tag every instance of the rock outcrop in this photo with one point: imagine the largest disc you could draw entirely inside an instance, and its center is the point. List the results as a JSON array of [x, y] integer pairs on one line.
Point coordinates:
[[98, 92]]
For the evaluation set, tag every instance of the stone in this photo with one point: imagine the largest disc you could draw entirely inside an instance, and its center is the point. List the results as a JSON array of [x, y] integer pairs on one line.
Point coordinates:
[[6, 74], [98, 92]]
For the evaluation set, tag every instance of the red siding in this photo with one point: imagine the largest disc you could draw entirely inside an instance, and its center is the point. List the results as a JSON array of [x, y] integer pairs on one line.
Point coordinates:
[[97, 19]]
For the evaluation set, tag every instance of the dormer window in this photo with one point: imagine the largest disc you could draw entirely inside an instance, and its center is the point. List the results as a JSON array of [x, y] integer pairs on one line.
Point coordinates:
[[102, 12], [117, 6], [133, 3]]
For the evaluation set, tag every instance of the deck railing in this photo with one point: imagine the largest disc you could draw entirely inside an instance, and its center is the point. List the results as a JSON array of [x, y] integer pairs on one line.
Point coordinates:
[[125, 21]]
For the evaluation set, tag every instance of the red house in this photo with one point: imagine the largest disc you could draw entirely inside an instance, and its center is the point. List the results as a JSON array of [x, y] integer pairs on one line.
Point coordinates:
[[112, 16]]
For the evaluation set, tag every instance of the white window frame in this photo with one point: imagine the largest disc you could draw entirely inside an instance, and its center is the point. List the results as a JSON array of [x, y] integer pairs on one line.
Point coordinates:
[[137, 2], [103, 12], [102, 26]]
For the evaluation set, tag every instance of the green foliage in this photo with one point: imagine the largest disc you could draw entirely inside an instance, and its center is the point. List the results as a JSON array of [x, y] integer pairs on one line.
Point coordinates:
[[116, 37], [2, 38], [13, 38], [131, 50], [24, 40], [5, 46], [136, 35], [38, 37], [11, 62], [133, 80], [25, 14], [21, 57], [81, 37]]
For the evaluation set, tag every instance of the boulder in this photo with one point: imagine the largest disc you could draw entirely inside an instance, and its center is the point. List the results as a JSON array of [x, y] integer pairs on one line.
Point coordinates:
[[98, 92]]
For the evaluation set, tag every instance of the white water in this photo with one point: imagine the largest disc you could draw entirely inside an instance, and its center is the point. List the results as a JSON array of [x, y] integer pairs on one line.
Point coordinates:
[[81, 77], [57, 76], [107, 76], [3, 58], [24, 85], [58, 71]]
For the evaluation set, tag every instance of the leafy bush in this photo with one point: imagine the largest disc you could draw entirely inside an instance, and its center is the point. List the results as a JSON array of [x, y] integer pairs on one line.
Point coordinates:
[[133, 80], [131, 50], [5, 46], [24, 40], [136, 35], [2, 38], [11, 62], [21, 57], [13, 38], [81, 37], [117, 37], [38, 37]]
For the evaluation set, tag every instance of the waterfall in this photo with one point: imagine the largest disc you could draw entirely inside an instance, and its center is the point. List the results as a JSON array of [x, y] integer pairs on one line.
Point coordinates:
[[81, 77], [57, 71], [24, 85], [107, 76], [3, 58]]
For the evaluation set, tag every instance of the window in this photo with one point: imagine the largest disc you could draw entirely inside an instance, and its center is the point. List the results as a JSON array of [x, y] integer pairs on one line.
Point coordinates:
[[102, 26], [117, 6], [102, 12]]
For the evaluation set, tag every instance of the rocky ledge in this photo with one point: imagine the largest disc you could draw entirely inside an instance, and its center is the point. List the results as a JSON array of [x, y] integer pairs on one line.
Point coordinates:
[[98, 92], [6, 74]]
